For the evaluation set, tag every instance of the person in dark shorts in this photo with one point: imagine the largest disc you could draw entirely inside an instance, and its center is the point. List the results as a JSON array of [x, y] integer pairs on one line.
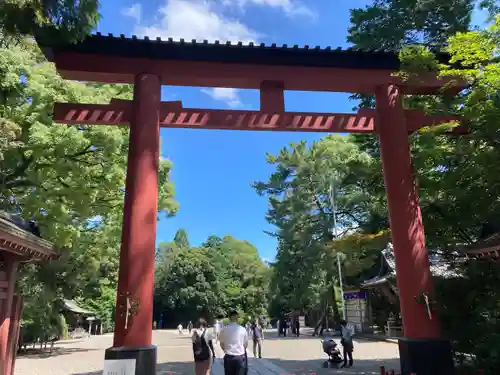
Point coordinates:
[[234, 341]]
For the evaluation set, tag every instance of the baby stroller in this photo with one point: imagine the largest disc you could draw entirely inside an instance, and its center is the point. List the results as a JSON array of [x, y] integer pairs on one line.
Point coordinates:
[[330, 347]]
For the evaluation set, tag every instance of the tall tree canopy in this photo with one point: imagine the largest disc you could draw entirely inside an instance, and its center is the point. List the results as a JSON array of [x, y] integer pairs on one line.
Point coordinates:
[[54, 20], [457, 176], [308, 181], [68, 179], [209, 281], [181, 239]]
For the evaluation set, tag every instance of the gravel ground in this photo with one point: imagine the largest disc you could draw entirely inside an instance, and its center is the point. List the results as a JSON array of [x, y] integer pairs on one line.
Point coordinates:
[[298, 356]]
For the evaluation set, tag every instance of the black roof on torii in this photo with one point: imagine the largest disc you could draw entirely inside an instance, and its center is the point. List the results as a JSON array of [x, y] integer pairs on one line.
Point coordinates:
[[231, 52]]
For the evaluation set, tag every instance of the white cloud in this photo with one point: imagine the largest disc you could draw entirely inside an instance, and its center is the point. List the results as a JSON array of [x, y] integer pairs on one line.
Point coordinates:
[[135, 12], [200, 20], [290, 7], [226, 95], [195, 19]]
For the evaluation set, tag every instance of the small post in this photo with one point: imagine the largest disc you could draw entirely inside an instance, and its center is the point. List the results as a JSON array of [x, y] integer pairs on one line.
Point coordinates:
[[272, 97]]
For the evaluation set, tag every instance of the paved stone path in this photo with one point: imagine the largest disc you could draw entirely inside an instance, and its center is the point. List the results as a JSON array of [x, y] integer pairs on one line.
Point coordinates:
[[299, 356]]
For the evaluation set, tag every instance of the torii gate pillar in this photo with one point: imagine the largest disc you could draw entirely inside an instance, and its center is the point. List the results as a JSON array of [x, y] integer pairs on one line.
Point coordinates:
[[134, 304], [422, 351]]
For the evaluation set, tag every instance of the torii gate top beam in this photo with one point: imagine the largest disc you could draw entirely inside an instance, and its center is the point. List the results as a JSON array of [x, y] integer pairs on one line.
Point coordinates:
[[111, 59]]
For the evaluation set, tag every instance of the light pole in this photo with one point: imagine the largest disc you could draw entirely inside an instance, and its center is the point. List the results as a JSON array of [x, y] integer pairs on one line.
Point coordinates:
[[334, 214]]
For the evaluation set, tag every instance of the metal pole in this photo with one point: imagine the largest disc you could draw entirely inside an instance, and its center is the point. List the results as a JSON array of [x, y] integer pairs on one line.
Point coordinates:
[[334, 212]]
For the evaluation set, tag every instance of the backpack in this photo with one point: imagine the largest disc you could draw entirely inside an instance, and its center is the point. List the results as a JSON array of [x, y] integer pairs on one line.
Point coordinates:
[[200, 348]]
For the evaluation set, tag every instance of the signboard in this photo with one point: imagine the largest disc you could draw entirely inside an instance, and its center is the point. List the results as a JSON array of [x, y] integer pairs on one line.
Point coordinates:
[[302, 321], [119, 367], [355, 295]]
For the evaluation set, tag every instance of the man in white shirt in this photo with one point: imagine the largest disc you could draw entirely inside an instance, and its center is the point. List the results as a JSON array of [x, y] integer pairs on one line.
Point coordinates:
[[234, 341]]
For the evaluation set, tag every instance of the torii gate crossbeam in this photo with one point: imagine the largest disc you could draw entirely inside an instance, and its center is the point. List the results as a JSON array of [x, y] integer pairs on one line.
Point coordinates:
[[173, 115]]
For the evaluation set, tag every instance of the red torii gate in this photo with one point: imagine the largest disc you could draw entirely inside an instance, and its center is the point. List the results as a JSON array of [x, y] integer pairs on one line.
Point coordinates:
[[150, 64]]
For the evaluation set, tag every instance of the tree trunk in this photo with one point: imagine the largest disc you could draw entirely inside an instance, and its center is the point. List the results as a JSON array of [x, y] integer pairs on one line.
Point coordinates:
[[321, 320], [336, 312]]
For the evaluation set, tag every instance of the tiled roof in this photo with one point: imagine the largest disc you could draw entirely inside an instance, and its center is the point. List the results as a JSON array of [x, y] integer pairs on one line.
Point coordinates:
[[15, 238], [438, 267], [490, 244], [231, 52], [75, 308]]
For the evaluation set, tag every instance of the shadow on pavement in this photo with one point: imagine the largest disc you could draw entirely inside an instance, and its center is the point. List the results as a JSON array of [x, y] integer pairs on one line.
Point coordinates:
[[304, 367], [274, 337], [315, 366], [168, 368], [46, 353]]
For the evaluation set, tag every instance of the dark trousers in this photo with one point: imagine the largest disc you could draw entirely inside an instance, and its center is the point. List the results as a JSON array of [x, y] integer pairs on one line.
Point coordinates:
[[257, 348], [348, 348], [235, 364]]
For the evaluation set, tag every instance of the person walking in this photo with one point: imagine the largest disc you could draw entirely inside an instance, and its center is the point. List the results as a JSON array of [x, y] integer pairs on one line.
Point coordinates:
[[233, 341], [190, 327], [217, 328], [258, 337], [347, 343], [297, 327], [203, 349]]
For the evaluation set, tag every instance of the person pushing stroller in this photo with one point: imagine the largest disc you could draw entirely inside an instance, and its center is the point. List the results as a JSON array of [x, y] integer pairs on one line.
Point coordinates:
[[347, 343]]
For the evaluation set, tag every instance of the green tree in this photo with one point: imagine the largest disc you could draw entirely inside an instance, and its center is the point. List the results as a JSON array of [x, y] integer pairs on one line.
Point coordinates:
[[457, 176], [391, 24], [68, 179], [181, 239], [301, 208], [54, 20], [209, 281], [470, 164]]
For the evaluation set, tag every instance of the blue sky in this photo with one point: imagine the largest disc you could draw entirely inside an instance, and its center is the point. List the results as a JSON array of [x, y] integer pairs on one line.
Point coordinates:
[[213, 170]]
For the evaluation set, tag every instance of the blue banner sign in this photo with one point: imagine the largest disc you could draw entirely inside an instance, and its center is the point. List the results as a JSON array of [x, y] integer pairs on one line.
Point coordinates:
[[355, 295]]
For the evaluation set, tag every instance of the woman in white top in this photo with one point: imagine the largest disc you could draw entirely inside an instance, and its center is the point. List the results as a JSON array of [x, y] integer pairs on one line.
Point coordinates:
[[203, 349]]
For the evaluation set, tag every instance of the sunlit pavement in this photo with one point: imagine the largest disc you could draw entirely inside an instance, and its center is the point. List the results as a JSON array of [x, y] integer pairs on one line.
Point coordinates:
[[299, 356]]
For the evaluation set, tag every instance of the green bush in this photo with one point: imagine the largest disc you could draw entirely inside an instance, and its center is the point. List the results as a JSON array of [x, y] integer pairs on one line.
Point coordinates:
[[469, 309]]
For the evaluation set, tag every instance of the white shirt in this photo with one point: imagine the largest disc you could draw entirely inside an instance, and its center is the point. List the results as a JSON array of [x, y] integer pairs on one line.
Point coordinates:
[[234, 339], [346, 333]]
